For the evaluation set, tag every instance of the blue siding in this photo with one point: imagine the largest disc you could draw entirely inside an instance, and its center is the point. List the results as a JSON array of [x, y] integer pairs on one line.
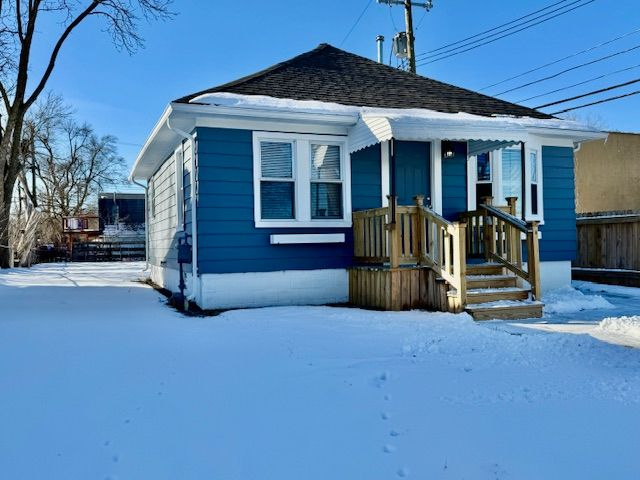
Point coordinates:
[[454, 182], [229, 242], [559, 230]]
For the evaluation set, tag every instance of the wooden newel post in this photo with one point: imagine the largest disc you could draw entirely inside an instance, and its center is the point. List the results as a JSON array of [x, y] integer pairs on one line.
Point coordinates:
[[460, 262], [533, 259], [511, 201], [394, 232], [489, 233], [514, 242], [418, 225]]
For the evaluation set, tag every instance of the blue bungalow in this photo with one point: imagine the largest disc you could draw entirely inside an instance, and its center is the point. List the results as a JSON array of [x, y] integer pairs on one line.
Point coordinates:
[[331, 178]]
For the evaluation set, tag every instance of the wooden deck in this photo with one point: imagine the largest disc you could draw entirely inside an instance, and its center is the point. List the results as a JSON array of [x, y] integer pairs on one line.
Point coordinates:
[[411, 258]]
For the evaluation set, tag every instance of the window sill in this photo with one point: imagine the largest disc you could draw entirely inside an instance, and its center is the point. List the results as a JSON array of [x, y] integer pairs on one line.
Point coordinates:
[[307, 238], [303, 224]]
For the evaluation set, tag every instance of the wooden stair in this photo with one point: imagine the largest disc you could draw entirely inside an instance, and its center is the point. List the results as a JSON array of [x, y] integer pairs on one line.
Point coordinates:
[[493, 294]]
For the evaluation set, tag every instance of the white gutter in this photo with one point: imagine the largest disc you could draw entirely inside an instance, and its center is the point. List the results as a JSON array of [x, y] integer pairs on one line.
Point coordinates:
[[195, 275], [146, 220]]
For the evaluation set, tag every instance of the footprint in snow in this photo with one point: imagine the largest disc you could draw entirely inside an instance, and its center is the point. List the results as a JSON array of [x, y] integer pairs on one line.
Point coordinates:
[[403, 472], [394, 433], [381, 379], [384, 416], [389, 448]]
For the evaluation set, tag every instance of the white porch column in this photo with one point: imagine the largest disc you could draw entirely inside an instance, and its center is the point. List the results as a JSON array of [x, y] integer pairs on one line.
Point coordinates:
[[385, 172], [436, 176]]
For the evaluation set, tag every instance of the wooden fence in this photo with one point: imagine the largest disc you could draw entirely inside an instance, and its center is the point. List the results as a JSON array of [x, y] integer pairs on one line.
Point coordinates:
[[107, 251], [609, 241]]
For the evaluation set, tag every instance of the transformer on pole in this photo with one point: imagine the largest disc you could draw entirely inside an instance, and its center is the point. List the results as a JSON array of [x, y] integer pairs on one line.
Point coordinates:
[[404, 42]]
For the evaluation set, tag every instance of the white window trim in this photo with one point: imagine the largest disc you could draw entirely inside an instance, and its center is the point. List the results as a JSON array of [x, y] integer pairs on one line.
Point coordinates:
[[537, 149], [179, 184], [302, 179], [496, 181]]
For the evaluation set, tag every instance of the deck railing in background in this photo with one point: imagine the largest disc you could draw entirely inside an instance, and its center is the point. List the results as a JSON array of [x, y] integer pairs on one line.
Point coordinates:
[[495, 234]]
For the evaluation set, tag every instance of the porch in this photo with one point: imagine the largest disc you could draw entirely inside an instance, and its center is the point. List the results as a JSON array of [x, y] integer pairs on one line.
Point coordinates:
[[409, 257]]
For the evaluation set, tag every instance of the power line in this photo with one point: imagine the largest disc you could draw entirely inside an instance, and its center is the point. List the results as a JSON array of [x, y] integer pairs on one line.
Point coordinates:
[[424, 15], [578, 84], [582, 65], [562, 59], [393, 22], [447, 49], [494, 28], [610, 99], [473, 47], [595, 92], [355, 24]]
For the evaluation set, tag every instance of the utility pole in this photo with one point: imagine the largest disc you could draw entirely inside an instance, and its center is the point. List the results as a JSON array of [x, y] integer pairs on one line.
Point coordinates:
[[411, 39], [408, 18]]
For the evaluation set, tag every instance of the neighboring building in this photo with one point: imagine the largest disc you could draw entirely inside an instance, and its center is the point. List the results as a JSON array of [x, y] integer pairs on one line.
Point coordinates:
[[608, 204], [121, 213], [80, 228], [608, 174], [266, 174]]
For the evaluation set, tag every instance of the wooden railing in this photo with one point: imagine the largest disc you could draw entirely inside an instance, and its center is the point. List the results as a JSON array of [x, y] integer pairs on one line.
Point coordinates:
[[495, 234], [412, 235]]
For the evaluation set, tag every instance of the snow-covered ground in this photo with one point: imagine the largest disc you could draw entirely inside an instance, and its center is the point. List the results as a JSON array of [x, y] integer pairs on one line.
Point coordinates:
[[99, 379]]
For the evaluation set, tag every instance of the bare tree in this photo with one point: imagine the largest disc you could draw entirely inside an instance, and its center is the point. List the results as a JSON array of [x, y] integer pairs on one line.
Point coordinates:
[[65, 165], [19, 21]]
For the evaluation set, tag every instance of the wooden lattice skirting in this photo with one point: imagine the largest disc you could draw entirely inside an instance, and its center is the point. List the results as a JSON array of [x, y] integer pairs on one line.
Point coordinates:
[[404, 288]]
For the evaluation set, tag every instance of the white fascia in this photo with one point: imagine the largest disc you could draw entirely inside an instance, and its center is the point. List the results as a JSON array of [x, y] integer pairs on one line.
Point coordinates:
[[162, 140], [266, 113], [566, 135], [161, 123]]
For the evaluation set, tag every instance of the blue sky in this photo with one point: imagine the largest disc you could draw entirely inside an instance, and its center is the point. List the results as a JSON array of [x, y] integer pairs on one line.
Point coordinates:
[[212, 42]]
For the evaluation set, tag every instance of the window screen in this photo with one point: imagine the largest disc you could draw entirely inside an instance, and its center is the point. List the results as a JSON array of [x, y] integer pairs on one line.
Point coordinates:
[[277, 187], [326, 182], [512, 177]]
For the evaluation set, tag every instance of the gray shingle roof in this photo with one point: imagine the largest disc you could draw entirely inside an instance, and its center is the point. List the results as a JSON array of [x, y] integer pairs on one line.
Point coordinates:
[[328, 74]]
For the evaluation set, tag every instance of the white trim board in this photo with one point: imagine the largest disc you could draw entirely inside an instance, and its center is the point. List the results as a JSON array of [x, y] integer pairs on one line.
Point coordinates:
[[289, 239], [266, 289], [554, 275]]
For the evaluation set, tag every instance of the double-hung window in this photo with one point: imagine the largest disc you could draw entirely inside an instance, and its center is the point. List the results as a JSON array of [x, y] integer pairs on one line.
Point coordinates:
[[512, 177], [277, 183], [326, 181], [300, 181]]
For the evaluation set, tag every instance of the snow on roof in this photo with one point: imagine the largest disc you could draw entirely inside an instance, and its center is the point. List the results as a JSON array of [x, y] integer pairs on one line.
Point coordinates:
[[373, 125]]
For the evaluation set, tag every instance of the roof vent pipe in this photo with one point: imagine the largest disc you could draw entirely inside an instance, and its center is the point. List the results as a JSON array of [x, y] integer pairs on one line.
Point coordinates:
[[380, 42]]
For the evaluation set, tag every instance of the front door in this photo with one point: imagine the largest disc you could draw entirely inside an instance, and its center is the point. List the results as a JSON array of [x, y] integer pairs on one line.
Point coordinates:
[[413, 171]]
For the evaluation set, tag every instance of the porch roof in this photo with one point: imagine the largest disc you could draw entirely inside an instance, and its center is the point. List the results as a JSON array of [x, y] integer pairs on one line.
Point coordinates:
[[483, 133]]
